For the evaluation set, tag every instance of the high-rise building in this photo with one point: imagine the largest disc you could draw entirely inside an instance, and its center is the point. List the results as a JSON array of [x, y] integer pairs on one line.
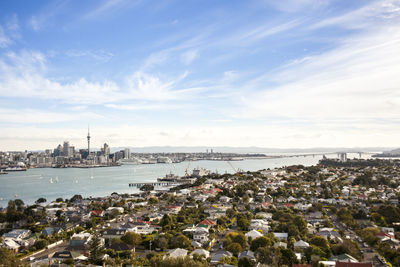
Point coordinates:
[[71, 151], [66, 149], [106, 149], [127, 153], [58, 151]]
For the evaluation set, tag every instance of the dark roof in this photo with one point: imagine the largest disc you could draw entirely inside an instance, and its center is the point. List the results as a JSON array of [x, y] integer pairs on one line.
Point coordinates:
[[63, 255], [353, 264]]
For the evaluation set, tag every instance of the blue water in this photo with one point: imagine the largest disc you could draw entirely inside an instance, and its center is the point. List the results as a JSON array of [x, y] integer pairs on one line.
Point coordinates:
[[35, 183]]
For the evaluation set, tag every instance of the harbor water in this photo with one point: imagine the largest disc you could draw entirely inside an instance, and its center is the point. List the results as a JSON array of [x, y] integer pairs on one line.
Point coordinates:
[[52, 183]]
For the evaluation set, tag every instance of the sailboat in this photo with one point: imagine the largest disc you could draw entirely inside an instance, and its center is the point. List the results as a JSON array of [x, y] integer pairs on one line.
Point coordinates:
[[51, 180], [57, 179]]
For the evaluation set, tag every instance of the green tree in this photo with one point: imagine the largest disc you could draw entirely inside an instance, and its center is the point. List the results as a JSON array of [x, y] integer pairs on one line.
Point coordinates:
[[41, 200], [8, 258], [244, 262], [162, 243], [147, 187], [235, 237], [235, 248], [158, 261], [269, 256], [259, 242], [41, 243], [320, 241], [132, 239], [96, 250], [76, 197], [182, 241]]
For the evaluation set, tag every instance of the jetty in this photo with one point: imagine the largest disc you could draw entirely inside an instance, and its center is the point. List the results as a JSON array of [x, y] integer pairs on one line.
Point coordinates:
[[155, 184]]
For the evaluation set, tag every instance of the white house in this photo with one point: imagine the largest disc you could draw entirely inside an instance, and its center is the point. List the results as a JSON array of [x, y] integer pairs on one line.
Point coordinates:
[[281, 236], [253, 234], [201, 252], [178, 252], [301, 244], [200, 235]]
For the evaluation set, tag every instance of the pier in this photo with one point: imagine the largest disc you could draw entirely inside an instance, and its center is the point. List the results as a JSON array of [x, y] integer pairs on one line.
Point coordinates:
[[158, 184]]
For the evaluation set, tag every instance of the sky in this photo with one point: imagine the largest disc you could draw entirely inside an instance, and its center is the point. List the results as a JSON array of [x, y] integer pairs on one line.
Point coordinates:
[[266, 73]]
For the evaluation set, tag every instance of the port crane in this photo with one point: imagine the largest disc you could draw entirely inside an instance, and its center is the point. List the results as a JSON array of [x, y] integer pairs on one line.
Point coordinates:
[[235, 170], [187, 169]]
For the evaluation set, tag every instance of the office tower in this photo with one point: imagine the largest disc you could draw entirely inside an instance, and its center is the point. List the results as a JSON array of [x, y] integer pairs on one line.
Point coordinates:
[[66, 149], [127, 153]]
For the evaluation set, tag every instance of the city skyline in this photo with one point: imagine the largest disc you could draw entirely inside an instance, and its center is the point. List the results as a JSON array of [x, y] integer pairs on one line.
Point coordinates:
[[287, 74]]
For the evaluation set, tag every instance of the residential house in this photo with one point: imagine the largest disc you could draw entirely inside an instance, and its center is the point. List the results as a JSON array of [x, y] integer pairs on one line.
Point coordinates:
[[178, 252], [200, 252], [200, 235]]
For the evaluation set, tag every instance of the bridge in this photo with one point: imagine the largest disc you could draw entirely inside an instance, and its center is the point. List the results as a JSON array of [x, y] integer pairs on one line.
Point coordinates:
[[339, 154]]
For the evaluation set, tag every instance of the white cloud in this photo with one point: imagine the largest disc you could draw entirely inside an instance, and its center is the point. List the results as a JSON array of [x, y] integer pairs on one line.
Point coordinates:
[[33, 116], [100, 55], [24, 75], [4, 40], [109, 6], [189, 56], [368, 16], [358, 80]]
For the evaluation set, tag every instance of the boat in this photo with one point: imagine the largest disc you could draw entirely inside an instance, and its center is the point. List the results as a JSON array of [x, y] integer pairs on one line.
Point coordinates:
[[57, 179], [3, 172], [15, 169], [164, 160], [169, 178], [51, 180]]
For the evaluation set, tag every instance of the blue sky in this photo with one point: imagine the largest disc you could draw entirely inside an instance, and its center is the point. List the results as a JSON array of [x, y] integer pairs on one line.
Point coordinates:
[[296, 73]]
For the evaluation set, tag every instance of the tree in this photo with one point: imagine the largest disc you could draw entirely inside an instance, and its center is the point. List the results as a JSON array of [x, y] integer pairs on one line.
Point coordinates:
[[158, 261], [132, 239], [41, 200], [8, 258], [244, 262], [182, 242], [76, 197], [147, 187], [235, 237], [259, 242], [320, 241], [243, 223], [269, 256], [288, 257], [235, 248], [41, 243], [96, 250], [165, 220], [162, 243]]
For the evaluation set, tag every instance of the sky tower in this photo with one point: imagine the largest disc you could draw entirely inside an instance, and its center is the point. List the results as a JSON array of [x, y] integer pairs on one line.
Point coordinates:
[[88, 141]]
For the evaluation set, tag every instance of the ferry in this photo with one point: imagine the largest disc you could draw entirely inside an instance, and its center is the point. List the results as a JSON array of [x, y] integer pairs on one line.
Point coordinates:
[[15, 169]]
